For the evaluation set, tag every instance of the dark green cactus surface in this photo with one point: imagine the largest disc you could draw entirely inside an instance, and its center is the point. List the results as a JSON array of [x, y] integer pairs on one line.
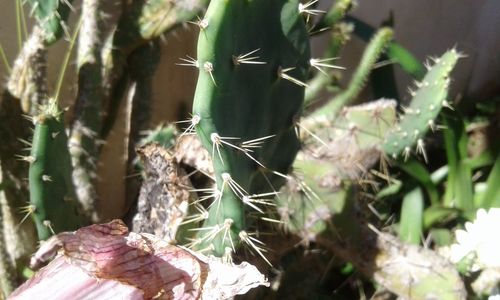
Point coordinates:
[[52, 194], [252, 57], [51, 15]]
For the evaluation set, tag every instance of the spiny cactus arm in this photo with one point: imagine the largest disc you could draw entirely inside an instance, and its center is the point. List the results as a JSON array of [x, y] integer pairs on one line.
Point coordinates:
[[336, 13], [51, 16], [140, 22], [86, 124], [52, 193], [425, 105], [372, 52], [326, 75], [249, 87], [395, 51]]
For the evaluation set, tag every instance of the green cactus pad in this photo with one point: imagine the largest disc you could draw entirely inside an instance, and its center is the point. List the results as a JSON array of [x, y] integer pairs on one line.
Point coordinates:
[[51, 189], [252, 56], [425, 105], [351, 142]]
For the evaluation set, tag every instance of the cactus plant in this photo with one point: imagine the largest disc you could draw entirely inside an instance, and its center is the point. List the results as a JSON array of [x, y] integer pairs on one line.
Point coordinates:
[[250, 87], [52, 196], [376, 46], [426, 104], [51, 16]]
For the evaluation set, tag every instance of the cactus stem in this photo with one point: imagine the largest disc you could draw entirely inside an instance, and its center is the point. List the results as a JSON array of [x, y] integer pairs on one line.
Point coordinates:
[[282, 73], [319, 64], [247, 59], [254, 244], [304, 9]]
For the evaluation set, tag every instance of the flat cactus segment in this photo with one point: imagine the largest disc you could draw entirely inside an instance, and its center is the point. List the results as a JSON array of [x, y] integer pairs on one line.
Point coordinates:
[[253, 58], [51, 15], [352, 142], [52, 195], [425, 105]]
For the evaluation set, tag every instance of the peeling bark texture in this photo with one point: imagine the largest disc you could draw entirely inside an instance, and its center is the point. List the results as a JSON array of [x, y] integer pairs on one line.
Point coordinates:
[[105, 261], [20, 238], [84, 141], [142, 65], [164, 197], [28, 79], [190, 151]]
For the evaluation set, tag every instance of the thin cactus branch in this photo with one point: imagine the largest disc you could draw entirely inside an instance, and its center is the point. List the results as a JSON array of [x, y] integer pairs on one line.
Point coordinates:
[[84, 142]]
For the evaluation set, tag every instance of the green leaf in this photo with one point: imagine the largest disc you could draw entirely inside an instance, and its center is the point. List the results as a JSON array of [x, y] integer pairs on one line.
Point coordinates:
[[418, 171], [411, 223], [438, 214], [459, 184]]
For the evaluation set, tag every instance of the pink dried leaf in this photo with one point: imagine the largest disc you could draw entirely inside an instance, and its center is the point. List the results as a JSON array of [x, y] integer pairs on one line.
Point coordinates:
[[105, 261]]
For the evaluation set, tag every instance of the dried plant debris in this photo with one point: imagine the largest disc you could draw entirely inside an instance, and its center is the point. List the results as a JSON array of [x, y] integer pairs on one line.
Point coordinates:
[[164, 196], [191, 152], [106, 261]]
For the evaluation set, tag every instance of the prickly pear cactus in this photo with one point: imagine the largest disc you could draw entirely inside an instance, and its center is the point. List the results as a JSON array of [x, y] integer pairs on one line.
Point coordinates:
[[427, 102], [52, 196], [250, 91]]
